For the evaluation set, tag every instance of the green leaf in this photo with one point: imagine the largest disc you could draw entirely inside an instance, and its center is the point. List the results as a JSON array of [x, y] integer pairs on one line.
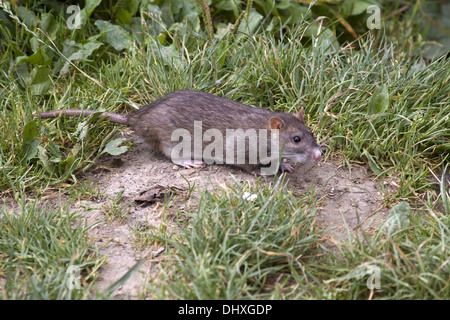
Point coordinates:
[[22, 73], [27, 16], [291, 12], [29, 150], [86, 12], [123, 16], [398, 218], [49, 167], [73, 57], [30, 131], [231, 5], [193, 20], [40, 80], [155, 24], [38, 58], [30, 143], [49, 24], [82, 130], [89, 47], [132, 6], [113, 147], [78, 52], [66, 166], [379, 102], [284, 4], [90, 6], [250, 26], [359, 6], [54, 150], [169, 55], [116, 36], [322, 37], [437, 36]]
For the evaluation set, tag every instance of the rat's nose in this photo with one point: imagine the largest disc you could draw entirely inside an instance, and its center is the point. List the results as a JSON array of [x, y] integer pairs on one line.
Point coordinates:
[[316, 154]]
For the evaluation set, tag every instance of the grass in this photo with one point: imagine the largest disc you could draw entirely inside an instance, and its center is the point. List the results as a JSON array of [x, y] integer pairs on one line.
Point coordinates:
[[374, 106], [115, 210], [412, 258], [240, 247], [269, 248], [43, 252]]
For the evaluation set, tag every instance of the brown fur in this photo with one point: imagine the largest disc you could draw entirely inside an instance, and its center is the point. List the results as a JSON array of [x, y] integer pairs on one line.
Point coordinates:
[[156, 122]]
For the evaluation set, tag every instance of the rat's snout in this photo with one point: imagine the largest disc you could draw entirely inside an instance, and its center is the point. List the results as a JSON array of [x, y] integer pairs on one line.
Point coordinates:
[[316, 154]]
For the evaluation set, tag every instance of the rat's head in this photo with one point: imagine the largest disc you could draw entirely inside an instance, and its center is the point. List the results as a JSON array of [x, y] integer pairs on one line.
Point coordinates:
[[297, 141]]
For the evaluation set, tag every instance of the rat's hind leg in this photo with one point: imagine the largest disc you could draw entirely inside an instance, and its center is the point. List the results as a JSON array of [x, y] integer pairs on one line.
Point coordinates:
[[183, 161], [189, 163]]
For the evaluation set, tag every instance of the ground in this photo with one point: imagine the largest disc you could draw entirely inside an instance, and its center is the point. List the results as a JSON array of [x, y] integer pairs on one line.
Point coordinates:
[[350, 198]]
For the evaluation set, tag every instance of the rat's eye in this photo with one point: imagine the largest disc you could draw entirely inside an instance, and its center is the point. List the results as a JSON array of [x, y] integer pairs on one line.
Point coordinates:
[[297, 139]]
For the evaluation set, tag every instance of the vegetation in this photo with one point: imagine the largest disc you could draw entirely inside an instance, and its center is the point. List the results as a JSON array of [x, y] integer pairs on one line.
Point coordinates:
[[374, 96]]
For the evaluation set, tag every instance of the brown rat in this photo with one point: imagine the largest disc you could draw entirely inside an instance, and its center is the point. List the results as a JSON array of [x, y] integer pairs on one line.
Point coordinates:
[[219, 129]]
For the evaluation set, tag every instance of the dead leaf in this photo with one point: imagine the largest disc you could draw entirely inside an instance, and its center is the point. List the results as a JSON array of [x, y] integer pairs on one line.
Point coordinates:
[[155, 194]]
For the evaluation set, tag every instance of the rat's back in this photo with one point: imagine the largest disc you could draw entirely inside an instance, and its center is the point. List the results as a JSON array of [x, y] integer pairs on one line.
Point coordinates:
[[180, 109]]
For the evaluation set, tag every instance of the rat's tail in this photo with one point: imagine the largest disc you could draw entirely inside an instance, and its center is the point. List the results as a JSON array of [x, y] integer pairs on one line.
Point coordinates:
[[113, 117]]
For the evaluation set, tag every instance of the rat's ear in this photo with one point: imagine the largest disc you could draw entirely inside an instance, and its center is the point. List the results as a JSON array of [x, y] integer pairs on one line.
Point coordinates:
[[276, 123], [301, 115]]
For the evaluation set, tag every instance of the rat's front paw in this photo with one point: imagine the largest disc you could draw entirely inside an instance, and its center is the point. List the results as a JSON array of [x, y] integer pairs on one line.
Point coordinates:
[[286, 167]]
